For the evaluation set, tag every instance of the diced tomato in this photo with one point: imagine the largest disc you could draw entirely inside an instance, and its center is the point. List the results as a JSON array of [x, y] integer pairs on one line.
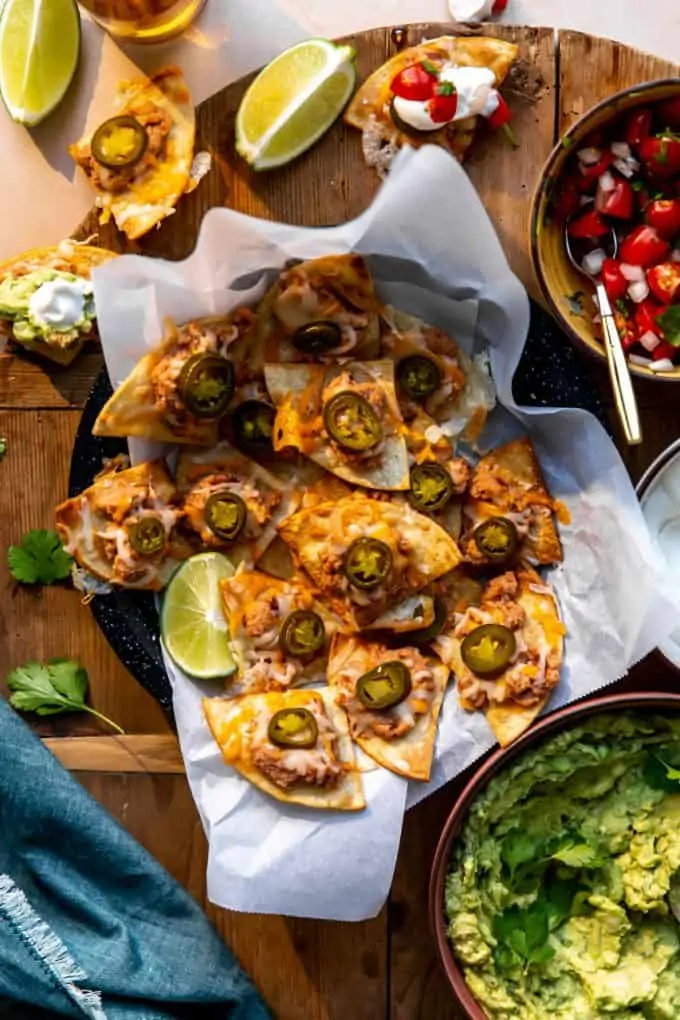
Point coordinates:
[[590, 224], [502, 114], [414, 82], [637, 127], [614, 281], [567, 202], [664, 215], [643, 247], [498, 7], [442, 108], [645, 317], [664, 350], [589, 174], [668, 113], [661, 156], [664, 282], [618, 202]]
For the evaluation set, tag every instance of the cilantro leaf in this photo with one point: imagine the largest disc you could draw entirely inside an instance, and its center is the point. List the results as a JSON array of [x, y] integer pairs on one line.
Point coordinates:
[[670, 324], [579, 854], [57, 686], [3, 447], [519, 848], [40, 559], [522, 934], [660, 775]]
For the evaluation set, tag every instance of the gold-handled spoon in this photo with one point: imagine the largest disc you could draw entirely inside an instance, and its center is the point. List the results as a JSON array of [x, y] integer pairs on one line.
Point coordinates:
[[622, 384]]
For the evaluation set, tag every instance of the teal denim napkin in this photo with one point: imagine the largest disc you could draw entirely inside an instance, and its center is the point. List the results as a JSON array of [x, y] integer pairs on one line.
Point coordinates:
[[90, 925]]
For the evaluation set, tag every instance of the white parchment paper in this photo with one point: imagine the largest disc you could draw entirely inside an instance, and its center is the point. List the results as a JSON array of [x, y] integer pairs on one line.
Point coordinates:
[[433, 252]]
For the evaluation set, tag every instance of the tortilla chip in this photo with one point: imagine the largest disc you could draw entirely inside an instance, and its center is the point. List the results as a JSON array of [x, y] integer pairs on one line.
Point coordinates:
[[461, 405], [253, 600], [409, 755], [133, 410], [156, 190], [319, 537], [297, 391], [335, 288], [369, 110], [542, 632], [67, 257], [413, 613], [509, 481], [106, 503], [232, 722], [256, 486]]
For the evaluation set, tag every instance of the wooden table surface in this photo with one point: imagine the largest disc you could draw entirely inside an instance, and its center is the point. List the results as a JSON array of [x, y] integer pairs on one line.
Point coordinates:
[[307, 970]]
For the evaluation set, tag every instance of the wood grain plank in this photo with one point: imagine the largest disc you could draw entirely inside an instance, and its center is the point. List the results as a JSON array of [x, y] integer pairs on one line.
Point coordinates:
[[31, 382], [306, 969], [156, 753], [40, 623]]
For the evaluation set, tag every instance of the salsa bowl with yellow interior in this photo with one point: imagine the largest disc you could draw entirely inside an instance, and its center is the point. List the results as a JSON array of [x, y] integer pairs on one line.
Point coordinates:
[[555, 886], [619, 165]]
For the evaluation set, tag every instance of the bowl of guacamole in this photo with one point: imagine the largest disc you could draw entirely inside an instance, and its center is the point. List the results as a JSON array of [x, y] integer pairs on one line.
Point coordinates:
[[555, 889]]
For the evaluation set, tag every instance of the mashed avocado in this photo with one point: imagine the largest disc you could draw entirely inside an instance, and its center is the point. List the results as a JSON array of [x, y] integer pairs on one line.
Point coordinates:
[[47, 304], [563, 897]]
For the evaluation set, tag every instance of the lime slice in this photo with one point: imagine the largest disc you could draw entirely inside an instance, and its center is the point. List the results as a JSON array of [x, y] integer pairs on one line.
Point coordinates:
[[293, 101], [193, 626], [39, 47]]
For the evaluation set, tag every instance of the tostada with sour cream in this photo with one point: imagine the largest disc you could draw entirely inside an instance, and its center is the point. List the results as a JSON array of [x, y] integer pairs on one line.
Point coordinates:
[[432, 93], [46, 299]]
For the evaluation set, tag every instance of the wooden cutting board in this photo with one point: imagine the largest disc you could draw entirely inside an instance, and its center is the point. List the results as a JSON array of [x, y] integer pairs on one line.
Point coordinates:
[[307, 970]]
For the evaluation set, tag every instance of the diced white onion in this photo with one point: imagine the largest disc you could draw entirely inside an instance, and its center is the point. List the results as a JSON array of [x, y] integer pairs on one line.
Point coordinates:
[[620, 149], [606, 182], [637, 359], [638, 291], [650, 341], [662, 365], [675, 255], [589, 157], [631, 273], [624, 167], [593, 261], [586, 200]]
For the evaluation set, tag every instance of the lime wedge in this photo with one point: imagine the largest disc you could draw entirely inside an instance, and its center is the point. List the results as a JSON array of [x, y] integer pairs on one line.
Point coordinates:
[[293, 101], [39, 47], [193, 626]]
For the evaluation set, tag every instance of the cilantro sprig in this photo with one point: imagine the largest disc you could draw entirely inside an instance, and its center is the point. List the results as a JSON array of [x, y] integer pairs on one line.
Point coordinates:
[[39, 559], [670, 324], [660, 775], [58, 686]]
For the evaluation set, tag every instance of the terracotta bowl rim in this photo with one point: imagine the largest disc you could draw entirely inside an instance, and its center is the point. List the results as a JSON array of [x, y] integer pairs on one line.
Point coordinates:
[[539, 191], [499, 759]]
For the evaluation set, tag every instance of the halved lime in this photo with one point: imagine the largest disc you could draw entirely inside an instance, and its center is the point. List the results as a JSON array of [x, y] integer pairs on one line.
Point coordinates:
[[39, 48], [293, 101], [193, 627]]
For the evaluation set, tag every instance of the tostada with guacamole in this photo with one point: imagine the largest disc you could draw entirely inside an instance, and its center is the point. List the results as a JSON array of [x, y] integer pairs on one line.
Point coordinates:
[[563, 897], [46, 299]]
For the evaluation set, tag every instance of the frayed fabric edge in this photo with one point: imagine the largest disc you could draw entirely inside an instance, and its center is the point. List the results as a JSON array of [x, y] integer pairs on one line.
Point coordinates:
[[48, 947]]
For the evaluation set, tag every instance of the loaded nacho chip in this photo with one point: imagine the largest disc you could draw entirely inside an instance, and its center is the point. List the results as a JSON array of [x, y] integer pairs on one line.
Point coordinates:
[[392, 698], [123, 529], [294, 746]]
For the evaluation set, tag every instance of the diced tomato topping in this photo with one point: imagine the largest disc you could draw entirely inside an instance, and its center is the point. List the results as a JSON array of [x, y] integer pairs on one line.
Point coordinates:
[[643, 247], [661, 156], [617, 202], [502, 114], [442, 108], [614, 281], [567, 201], [638, 126], [590, 174], [590, 224], [663, 351], [645, 317], [498, 7], [414, 82], [664, 281], [664, 215]]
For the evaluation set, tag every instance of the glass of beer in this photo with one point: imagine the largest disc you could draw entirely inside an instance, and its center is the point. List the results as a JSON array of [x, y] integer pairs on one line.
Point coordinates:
[[143, 20]]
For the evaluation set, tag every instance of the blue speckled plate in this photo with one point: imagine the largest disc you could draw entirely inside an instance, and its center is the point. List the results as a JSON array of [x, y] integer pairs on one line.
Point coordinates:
[[551, 374]]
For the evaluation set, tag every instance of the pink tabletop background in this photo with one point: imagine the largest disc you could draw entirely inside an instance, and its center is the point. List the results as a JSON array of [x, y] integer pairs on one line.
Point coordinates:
[[42, 198]]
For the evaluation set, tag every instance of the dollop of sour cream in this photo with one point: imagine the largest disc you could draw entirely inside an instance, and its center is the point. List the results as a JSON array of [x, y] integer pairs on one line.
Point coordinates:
[[59, 304], [476, 97]]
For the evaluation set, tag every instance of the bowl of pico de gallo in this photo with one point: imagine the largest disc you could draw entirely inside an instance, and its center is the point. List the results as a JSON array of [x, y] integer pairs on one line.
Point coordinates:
[[612, 183]]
